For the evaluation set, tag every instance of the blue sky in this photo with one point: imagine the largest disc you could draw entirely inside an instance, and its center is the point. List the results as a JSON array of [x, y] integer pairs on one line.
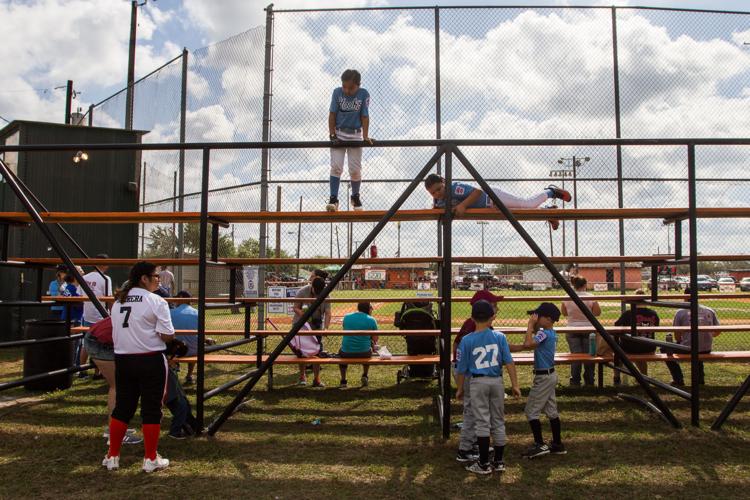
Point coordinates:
[[525, 75]]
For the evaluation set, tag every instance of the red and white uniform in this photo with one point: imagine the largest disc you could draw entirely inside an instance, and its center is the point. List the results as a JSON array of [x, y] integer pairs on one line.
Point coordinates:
[[101, 287]]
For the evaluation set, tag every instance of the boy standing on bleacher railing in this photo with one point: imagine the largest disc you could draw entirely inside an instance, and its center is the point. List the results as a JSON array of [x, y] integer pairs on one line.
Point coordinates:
[[481, 356], [541, 336]]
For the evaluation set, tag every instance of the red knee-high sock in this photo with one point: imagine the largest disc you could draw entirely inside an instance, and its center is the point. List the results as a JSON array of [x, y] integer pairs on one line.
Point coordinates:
[[151, 440], [117, 430]]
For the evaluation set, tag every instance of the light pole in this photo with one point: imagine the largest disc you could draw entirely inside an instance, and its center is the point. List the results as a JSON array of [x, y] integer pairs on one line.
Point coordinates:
[[570, 169], [398, 232], [482, 223], [297, 233]]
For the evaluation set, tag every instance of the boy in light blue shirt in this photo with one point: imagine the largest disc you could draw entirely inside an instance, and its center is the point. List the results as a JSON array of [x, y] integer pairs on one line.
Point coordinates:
[[481, 356], [348, 120], [465, 196], [542, 338]]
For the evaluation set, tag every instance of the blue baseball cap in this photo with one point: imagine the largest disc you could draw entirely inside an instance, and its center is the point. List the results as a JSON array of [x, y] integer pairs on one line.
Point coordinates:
[[482, 310], [547, 309]]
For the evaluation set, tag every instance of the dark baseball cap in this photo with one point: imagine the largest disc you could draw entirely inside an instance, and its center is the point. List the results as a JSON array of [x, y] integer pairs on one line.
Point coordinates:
[[547, 309], [482, 311], [484, 295]]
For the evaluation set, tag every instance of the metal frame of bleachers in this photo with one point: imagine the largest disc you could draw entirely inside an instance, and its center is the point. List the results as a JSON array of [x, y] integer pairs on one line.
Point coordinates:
[[447, 150]]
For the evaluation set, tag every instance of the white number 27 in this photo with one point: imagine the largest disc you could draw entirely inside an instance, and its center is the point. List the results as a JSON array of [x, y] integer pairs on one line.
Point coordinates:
[[482, 353]]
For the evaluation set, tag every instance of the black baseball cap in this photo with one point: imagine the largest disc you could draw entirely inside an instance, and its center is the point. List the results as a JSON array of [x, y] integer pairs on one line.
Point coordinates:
[[482, 311], [62, 268], [547, 309]]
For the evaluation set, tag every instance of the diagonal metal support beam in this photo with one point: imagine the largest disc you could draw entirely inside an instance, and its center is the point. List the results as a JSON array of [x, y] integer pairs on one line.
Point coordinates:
[[568, 289], [731, 405], [266, 365], [59, 250], [59, 226]]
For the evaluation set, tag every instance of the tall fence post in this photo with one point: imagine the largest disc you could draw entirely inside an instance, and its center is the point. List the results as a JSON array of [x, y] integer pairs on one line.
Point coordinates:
[[131, 66], [91, 115], [445, 302], [265, 160], [438, 118], [694, 336], [618, 135], [202, 257], [181, 176]]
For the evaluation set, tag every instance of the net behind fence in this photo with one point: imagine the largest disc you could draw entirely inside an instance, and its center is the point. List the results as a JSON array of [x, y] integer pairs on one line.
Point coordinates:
[[466, 73]]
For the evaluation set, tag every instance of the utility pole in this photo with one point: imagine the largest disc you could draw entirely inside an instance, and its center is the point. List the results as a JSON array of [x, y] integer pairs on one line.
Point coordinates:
[[131, 63], [69, 94]]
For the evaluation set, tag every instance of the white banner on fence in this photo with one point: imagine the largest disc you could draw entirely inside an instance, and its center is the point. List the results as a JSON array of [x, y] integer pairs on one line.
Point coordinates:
[[276, 292], [375, 275], [250, 279], [601, 287], [423, 285]]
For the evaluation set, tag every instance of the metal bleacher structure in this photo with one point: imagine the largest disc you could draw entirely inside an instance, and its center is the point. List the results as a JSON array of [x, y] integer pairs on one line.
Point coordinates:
[[446, 151]]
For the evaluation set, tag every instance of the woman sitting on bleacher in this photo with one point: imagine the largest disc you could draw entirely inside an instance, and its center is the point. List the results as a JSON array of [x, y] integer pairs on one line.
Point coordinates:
[[358, 346]]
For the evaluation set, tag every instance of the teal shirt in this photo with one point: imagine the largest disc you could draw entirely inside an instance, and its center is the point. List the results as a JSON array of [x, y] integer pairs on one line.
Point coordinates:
[[357, 321]]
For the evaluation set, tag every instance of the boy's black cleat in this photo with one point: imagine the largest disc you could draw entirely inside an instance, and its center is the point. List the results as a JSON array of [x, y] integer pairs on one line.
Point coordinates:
[[464, 456], [537, 450], [356, 202], [557, 449], [333, 204], [498, 466]]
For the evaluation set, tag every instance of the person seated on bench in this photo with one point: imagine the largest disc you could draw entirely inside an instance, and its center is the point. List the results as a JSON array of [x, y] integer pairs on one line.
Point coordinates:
[[321, 319], [358, 346], [185, 317], [643, 317], [706, 317]]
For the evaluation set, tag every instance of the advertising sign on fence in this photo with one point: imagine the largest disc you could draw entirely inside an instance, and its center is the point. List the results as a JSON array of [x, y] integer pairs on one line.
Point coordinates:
[[276, 292], [250, 279]]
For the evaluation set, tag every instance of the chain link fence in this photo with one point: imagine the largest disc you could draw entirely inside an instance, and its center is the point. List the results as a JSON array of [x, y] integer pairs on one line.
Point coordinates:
[[470, 73]]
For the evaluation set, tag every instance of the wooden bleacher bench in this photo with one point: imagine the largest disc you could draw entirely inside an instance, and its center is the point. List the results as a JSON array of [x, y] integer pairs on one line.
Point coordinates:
[[287, 359], [523, 359]]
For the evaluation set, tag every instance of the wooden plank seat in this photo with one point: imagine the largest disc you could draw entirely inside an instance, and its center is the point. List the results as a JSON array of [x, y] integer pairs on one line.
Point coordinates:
[[288, 359], [514, 330], [522, 358], [372, 215], [236, 262]]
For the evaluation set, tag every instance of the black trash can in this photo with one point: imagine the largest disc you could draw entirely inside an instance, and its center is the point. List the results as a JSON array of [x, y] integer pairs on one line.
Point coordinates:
[[49, 356]]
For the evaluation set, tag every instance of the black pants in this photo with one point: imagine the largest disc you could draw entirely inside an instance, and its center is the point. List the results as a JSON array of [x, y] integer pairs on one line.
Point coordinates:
[[676, 372], [141, 377]]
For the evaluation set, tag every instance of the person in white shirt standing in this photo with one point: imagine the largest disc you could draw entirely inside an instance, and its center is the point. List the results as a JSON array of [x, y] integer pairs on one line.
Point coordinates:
[[167, 280], [101, 285], [579, 342], [141, 326]]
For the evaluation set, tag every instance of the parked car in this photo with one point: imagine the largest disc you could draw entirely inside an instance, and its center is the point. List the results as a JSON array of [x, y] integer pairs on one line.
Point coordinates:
[[745, 284], [726, 280], [682, 281], [706, 284]]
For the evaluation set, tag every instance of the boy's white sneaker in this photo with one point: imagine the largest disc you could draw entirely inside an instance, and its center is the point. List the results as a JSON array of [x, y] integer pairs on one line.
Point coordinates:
[[156, 464]]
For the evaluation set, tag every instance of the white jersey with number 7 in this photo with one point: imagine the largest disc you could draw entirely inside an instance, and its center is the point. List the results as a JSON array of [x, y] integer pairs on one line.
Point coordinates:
[[137, 323]]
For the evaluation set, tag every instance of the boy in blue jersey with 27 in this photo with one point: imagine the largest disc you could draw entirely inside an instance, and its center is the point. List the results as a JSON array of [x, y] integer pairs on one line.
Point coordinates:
[[541, 336], [348, 120], [481, 356], [465, 196]]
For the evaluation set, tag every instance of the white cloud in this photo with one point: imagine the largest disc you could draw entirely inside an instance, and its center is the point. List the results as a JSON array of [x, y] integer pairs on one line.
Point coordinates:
[[47, 42]]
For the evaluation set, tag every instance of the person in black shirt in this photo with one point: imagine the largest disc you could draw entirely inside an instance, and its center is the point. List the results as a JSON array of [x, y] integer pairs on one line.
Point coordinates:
[[643, 317]]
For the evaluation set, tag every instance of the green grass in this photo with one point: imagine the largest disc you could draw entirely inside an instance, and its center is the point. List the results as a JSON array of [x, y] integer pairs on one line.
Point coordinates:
[[382, 441]]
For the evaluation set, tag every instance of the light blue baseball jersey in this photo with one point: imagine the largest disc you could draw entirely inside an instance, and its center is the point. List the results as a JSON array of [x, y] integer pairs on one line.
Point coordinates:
[[350, 109], [483, 353], [461, 191], [544, 354]]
